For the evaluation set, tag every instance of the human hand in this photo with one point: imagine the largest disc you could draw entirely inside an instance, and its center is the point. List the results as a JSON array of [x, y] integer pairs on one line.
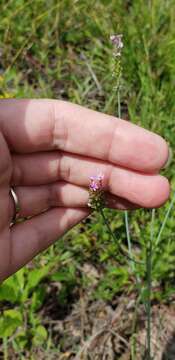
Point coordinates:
[[49, 149]]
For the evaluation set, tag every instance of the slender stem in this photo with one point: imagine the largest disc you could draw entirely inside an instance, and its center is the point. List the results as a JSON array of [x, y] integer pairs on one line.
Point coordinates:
[[149, 254], [118, 104], [125, 212], [148, 307], [129, 239], [165, 220], [114, 238], [107, 224], [153, 211], [94, 76]]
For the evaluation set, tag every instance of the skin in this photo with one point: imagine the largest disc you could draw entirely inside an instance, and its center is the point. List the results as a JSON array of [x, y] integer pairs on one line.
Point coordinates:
[[49, 149]]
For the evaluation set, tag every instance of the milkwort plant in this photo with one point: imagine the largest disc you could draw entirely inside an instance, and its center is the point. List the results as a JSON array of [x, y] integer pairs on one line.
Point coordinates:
[[117, 73], [97, 202], [148, 263], [153, 241]]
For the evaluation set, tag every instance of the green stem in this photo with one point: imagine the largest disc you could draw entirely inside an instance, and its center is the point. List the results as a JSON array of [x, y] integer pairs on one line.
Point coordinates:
[[165, 220], [129, 240], [149, 254], [118, 104], [149, 285], [114, 238], [125, 212]]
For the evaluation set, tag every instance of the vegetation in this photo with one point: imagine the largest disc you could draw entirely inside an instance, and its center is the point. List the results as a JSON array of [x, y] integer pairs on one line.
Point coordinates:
[[61, 49]]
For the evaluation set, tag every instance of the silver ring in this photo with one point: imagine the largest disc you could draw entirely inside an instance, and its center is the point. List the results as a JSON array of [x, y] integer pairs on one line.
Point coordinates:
[[16, 206]]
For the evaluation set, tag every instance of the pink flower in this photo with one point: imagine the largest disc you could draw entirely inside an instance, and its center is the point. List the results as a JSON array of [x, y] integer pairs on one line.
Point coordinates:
[[96, 182], [118, 43], [96, 193]]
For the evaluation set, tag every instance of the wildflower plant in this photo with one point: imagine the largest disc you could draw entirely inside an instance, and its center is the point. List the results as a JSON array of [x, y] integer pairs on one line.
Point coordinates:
[[97, 197], [97, 202], [117, 73], [153, 241]]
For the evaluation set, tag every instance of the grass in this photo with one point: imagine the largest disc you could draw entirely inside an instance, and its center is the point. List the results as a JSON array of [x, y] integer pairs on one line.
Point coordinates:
[[61, 49]]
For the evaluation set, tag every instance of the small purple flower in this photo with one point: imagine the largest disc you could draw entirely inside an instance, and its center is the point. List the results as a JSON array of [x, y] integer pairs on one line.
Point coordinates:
[[94, 186], [96, 182], [96, 193], [118, 43]]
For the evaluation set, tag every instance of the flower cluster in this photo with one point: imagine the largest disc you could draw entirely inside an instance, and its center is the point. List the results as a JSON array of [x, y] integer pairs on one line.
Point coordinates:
[[96, 192], [117, 67], [118, 44]]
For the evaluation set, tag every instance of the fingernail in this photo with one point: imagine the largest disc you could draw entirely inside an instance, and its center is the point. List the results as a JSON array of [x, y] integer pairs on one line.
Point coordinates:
[[170, 156]]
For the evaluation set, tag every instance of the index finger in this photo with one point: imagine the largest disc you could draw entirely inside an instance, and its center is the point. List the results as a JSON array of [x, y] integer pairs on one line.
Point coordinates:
[[42, 125]]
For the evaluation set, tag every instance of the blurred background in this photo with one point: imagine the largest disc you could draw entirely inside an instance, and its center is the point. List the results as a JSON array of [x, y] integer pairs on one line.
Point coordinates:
[[79, 299]]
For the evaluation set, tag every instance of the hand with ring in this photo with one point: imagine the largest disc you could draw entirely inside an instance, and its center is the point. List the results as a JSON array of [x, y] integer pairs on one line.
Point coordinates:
[[49, 149]]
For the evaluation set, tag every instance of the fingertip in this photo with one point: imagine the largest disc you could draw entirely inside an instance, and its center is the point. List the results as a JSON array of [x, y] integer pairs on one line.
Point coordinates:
[[156, 154], [164, 191], [164, 153], [161, 193], [168, 157]]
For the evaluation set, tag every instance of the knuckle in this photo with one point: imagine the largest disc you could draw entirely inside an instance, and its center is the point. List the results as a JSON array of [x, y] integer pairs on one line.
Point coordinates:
[[59, 129]]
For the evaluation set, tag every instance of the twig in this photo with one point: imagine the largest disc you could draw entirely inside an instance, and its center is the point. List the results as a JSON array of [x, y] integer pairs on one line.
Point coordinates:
[[88, 343], [92, 72], [121, 338]]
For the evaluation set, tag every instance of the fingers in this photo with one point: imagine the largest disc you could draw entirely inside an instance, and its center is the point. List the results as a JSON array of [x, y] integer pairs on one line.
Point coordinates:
[[34, 235], [144, 190], [5, 175], [35, 199], [41, 125]]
